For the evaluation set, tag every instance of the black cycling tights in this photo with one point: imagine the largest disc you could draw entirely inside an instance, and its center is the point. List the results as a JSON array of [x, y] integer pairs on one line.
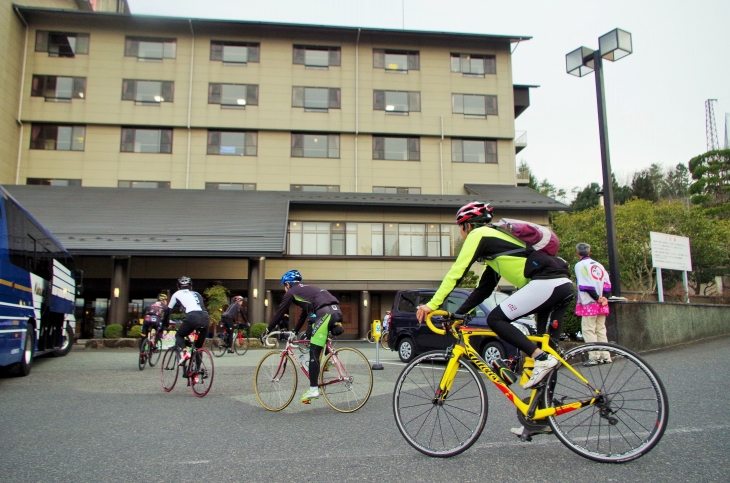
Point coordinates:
[[500, 323]]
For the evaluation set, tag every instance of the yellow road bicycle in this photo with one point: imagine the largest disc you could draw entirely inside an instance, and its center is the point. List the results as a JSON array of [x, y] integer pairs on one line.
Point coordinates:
[[613, 412]]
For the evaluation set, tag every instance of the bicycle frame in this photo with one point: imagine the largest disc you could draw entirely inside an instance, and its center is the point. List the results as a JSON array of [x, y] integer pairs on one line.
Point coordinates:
[[289, 349], [464, 348]]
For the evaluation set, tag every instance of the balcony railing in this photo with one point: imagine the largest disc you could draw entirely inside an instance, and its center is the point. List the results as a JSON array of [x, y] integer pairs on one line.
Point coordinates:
[[520, 141]]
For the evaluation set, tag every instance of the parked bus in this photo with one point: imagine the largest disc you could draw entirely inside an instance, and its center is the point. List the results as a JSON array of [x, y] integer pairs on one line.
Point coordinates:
[[37, 290]]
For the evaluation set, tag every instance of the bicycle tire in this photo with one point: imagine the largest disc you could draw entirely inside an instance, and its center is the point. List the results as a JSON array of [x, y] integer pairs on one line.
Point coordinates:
[[369, 337], [354, 390], [384, 340], [201, 372], [439, 430], [275, 380], [632, 412], [169, 370], [240, 342], [143, 351], [218, 344], [155, 354]]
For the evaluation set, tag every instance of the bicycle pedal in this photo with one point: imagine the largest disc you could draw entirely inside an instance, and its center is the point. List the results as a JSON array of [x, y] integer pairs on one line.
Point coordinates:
[[525, 436], [306, 401]]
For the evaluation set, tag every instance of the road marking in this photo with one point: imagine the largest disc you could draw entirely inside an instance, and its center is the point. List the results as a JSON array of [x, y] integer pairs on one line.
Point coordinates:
[[200, 462]]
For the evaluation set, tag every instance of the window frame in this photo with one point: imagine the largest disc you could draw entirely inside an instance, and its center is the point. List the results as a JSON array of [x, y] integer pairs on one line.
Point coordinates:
[[314, 188], [215, 95], [334, 56], [379, 148], [399, 190], [249, 147], [489, 62], [457, 146], [49, 181], [413, 60], [160, 184], [491, 106], [40, 86], [132, 47], [130, 92], [129, 137], [253, 51], [299, 98], [216, 186], [40, 136], [380, 101], [298, 142], [43, 43]]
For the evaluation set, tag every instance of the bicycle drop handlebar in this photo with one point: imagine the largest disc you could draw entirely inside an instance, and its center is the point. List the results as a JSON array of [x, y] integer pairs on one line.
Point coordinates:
[[452, 327], [291, 335]]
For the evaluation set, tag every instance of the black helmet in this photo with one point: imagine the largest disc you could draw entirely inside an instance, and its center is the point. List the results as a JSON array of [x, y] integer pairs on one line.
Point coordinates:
[[184, 282]]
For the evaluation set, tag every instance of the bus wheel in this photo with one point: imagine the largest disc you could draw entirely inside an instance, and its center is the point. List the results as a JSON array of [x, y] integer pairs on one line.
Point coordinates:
[[68, 342], [23, 367]]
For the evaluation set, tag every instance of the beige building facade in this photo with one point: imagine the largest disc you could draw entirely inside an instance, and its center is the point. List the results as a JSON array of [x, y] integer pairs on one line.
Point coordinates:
[[403, 121]]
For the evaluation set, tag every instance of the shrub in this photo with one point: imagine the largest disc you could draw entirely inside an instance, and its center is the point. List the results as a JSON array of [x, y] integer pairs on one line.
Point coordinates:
[[571, 322], [258, 329], [113, 331], [135, 331]]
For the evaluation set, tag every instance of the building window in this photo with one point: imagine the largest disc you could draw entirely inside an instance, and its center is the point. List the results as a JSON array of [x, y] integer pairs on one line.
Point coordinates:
[[234, 53], [337, 238], [146, 140], [316, 99], [232, 143], [61, 44], [231, 186], [315, 188], [58, 89], [393, 190], [57, 137], [473, 65], [397, 102], [150, 49], [315, 145], [396, 149], [316, 57], [473, 151], [400, 61], [53, 182], [233, 96], [473, 105], [146, 92], [144, 184]]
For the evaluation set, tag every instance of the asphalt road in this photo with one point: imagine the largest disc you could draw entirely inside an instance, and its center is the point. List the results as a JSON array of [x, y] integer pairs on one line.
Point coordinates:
[[93, 416]]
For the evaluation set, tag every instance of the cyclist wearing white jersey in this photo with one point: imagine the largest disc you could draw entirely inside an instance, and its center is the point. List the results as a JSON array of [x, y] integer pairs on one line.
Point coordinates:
[[195, 316]]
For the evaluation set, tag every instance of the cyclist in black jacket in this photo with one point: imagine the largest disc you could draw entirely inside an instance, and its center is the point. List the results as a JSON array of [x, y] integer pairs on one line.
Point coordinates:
[[228, 319], [323, 311], [195, 316]]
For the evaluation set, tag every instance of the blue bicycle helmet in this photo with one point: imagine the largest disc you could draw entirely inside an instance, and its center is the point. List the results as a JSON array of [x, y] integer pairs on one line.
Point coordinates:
[[292, 276]]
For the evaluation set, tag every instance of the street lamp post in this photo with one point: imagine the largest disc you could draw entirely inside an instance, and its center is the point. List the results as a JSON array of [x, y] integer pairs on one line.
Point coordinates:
[[582, 61]]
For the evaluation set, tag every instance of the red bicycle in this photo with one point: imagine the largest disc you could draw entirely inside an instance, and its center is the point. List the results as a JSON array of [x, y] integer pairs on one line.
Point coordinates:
[[198, 369]]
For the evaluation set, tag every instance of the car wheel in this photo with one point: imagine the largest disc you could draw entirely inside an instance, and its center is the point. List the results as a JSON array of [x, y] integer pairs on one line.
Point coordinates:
[[406, 350], [492, 350]]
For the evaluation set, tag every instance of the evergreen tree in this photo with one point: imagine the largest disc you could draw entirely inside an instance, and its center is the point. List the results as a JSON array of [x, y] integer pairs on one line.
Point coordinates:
[[587, 198]]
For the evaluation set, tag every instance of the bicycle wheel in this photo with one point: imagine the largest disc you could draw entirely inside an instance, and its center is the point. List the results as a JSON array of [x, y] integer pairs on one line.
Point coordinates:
[[143, 351], [369, 336], [443, 428], [169, 369], [240, 341], [218, 344], [201, 372], [275, 380], [304, 346], [346, 385], [155, 353], [629, 416], [384, 340]]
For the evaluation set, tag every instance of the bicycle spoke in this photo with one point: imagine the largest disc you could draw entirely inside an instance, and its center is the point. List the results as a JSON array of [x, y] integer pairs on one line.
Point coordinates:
[[347, 385], [275, 381]]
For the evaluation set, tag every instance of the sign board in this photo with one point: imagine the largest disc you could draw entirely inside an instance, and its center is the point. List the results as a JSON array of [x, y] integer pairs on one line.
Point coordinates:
[[670, 251]]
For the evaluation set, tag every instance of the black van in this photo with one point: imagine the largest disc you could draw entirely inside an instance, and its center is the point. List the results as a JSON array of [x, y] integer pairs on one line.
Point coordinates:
[[409, 338]]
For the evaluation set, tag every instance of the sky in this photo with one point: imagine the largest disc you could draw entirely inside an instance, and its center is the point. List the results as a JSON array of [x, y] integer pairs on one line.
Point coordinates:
[[655, 97]]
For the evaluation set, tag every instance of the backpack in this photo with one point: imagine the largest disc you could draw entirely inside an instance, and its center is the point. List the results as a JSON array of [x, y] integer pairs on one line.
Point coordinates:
[[537, 238]]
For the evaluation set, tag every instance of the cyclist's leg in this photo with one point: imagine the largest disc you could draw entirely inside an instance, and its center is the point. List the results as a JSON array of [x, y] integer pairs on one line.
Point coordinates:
[[228, 324], [185, 328], [315, 352], [145, 329]]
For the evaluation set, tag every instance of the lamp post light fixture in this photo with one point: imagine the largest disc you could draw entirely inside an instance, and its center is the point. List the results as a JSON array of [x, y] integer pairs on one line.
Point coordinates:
[[582, 61]]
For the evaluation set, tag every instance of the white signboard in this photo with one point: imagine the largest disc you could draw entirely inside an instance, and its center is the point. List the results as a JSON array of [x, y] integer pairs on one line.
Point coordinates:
[[670, 252]]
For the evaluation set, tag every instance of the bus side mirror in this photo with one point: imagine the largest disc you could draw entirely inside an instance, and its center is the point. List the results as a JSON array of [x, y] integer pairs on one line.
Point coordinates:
[[79, 276]]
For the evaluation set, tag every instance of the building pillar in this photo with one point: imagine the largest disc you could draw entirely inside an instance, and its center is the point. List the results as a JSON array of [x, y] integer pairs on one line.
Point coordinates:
[[119, 296], [256, 290], [364, 311]]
